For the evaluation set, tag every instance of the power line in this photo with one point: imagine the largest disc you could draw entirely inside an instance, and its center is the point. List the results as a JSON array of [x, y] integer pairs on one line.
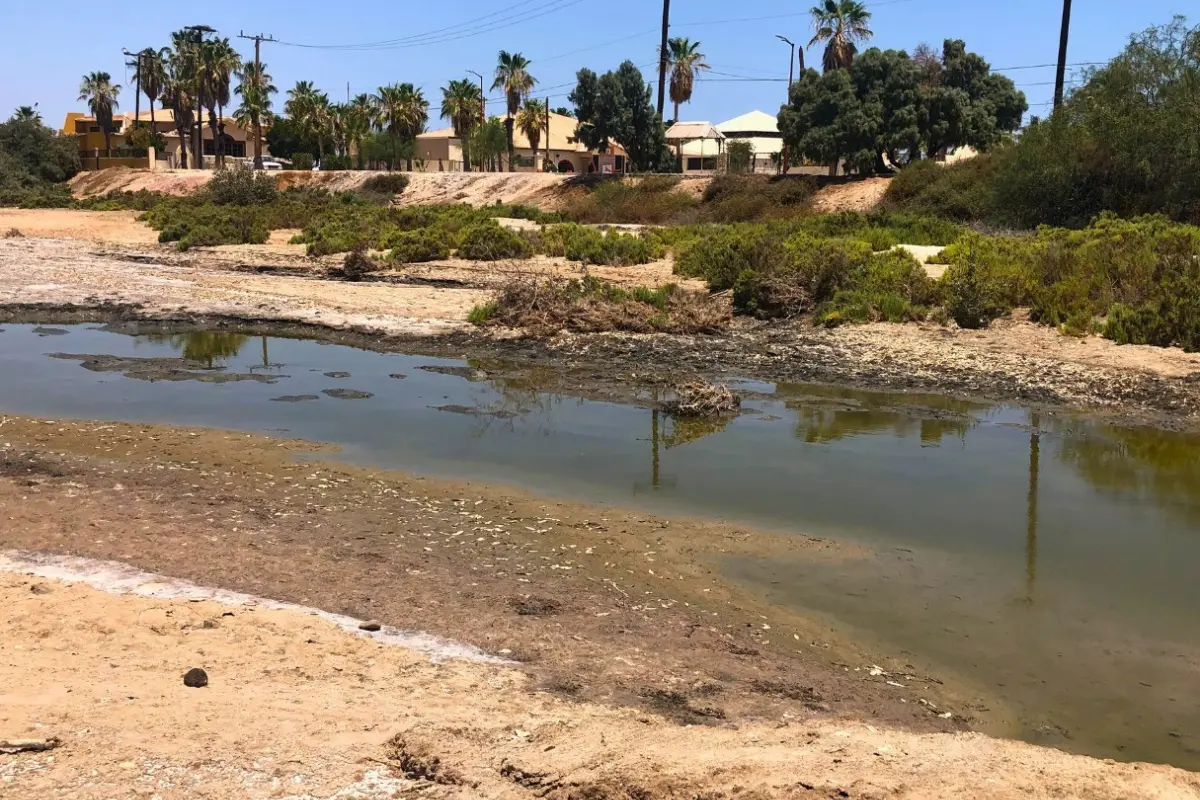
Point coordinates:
[[774, 16], [468, 30]]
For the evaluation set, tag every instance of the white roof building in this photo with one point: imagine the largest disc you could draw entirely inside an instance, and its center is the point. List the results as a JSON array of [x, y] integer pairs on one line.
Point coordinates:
[[758, 128]]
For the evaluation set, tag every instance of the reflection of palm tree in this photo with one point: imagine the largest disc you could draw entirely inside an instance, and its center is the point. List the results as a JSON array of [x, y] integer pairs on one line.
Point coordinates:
[[205, 347], [1032, 509]]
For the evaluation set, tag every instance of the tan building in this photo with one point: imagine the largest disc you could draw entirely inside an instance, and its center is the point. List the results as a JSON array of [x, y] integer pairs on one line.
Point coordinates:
[[699, 146], [441, 151], [236, 143]]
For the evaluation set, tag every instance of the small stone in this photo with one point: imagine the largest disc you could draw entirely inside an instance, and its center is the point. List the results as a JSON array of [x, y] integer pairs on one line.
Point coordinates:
[[195, 678], [40, 588], [370, 625]]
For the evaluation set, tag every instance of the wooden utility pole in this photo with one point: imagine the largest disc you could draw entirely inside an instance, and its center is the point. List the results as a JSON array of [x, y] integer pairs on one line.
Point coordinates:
[[1064, 35], [662, 57], [547, 133], [258, 40], [137, 98]]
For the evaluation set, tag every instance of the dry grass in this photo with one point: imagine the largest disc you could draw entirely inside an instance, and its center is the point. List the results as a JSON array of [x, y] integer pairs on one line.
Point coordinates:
[[595, 306], [699, 398], [13, 233]]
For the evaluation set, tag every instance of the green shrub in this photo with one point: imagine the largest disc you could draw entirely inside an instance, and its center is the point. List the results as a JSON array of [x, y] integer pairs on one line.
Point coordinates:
[[302, 161], [593, 246], [722, 254], [389, 183], [241, 186], [958, 191], [55, 195], [861, 307], [756, 198], [411, 247], [973, 296], [488, 241], [651, 200], [482, 313], [141, 200]]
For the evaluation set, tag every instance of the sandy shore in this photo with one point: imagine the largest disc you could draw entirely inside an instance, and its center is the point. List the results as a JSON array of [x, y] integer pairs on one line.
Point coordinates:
[[633, 671]]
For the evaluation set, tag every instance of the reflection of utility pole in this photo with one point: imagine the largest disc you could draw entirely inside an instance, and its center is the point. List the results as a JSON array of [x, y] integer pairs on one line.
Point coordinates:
[[266, 358], [654, 448], [1031, 509]]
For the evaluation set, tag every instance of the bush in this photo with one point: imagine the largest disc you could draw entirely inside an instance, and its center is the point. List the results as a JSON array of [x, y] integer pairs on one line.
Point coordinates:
[[973, 295], [592, 305], [242, 186], [302, 161], [958, 191], [412, 247], [190, 224], [390, 183], [355, 266], [652, 200], [488, 241], [756, 198], [40, 196], [592, 246]]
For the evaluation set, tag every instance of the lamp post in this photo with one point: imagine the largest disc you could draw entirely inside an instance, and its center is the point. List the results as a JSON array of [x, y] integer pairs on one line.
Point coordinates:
[[791, 76], [482, 110]]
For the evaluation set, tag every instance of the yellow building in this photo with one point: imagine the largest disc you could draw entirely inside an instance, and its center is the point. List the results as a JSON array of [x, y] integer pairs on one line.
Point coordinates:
[[237, 142], [441, 151]]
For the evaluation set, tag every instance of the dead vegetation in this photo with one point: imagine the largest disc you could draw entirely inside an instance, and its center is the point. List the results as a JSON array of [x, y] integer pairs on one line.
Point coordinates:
[[698, 398], [415, 762], [13, 233], [594, 306], [354, 267]]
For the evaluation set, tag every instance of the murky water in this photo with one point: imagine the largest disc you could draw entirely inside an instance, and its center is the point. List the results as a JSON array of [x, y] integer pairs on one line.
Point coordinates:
[[1051, 561]]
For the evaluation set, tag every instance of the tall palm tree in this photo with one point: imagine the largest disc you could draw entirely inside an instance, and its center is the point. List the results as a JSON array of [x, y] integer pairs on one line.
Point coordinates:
[[150, 72], [531, 120], [255, 89], [218, 62], [339, 124], [302, 106], [403, 112], [101, 93], [27, 114], [841, 24], [360, 118], [182, 91], [513, 77], [684, 60], [462, 105]]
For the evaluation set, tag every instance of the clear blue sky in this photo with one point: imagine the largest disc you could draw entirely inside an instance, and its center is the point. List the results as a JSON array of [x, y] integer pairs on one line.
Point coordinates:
[[45, 47]]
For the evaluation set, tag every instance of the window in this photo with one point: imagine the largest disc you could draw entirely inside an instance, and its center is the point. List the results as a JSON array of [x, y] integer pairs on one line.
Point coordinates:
[[700, 164], [232, 148]]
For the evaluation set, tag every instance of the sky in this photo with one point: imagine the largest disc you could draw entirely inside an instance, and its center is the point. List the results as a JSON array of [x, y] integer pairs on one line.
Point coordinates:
[[46, 47]]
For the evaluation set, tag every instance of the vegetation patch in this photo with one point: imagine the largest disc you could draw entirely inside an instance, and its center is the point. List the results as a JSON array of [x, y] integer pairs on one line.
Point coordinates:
[[412, 247], [699, 398], [592, 305], [489, 241], [593, 246]]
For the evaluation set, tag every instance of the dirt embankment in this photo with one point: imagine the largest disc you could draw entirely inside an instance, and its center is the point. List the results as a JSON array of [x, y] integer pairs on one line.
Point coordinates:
[[639, 674]]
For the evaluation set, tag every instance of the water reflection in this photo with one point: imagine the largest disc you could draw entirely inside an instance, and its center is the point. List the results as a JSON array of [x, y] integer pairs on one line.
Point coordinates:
[[206, 347], [1031, 509]]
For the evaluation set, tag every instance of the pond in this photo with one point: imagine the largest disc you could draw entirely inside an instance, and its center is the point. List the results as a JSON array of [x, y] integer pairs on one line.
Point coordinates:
[[1048, 560]]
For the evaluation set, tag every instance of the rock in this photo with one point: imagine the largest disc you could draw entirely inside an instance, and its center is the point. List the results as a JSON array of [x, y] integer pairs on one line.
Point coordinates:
[[347, 394], [337, 374], [295, 398], [396, 376], [370, 625], [195, 678], [40, 588]]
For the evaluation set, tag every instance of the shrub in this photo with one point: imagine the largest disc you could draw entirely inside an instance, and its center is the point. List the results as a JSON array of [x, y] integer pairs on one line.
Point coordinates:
[[890, 287], [740, 154], [592, 305], [973, 297], [411, 247], [302, 161], [390, 183], [720, 255], [813, 271], [958, 191], [39, 196], [652, 200], [756, 198], [593, 246], [355, 266], [242, 186], [488, 241]]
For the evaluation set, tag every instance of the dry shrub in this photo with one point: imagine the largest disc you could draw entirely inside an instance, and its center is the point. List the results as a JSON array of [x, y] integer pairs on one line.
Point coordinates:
[[697, 398], [13, 233], [355, 266], [594, 306]]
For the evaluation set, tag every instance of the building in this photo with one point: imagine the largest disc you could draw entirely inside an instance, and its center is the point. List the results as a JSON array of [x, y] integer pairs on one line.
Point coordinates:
[[761, 130], [698, 144], [236, 143], [441, 151]]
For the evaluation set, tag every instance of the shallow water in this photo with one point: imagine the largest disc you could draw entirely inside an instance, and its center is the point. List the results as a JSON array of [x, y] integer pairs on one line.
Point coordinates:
[[1048, 560]]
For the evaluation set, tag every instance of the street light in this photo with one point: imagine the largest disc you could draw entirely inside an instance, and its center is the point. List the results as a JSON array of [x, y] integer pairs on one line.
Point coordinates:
[[791, 76]]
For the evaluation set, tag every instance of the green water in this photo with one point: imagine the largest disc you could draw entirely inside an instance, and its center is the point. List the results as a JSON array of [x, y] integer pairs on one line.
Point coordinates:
[[1049, 560]]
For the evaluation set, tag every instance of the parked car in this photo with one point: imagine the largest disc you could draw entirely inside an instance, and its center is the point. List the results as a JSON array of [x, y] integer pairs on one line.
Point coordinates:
[[269, 163]]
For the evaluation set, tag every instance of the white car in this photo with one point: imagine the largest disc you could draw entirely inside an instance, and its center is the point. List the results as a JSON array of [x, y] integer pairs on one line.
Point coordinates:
[[270, 164]]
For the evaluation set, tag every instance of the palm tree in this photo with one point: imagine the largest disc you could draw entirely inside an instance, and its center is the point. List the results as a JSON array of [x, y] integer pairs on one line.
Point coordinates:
[[463, 106], [303, 107], [150, 72], [403, 113], [101, 93], [841, 24], [182, 90], [26, 114], [512, 76], [531, 119], [218, 62], [255, 90], [685, 60], [360, 118], [339, 114]]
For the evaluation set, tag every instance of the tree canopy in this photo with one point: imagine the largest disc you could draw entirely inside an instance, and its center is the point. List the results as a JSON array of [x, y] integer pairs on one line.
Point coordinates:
[[32, 154], [617, 107], [887, 104]]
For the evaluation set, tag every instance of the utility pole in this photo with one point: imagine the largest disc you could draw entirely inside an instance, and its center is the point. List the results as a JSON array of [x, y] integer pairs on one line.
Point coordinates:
[[791, 76], [547, 132], [258, 40], [482, 109], [1064, 35], [137, 79], [662, 57]]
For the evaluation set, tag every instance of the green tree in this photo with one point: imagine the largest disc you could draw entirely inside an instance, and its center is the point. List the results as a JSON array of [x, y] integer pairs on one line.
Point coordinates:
[[684, 60], [488, 143], [403, 114], [218, 63], [617, 107], [462, 105], [31, 154], [100, 93], [966, 103], [360, 119], [255, 89], [563, 111], [888, 83], [841, 25], [179, 92], [150, 72], [531, 119], [826, 122], [513, 78], [308, 108]]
